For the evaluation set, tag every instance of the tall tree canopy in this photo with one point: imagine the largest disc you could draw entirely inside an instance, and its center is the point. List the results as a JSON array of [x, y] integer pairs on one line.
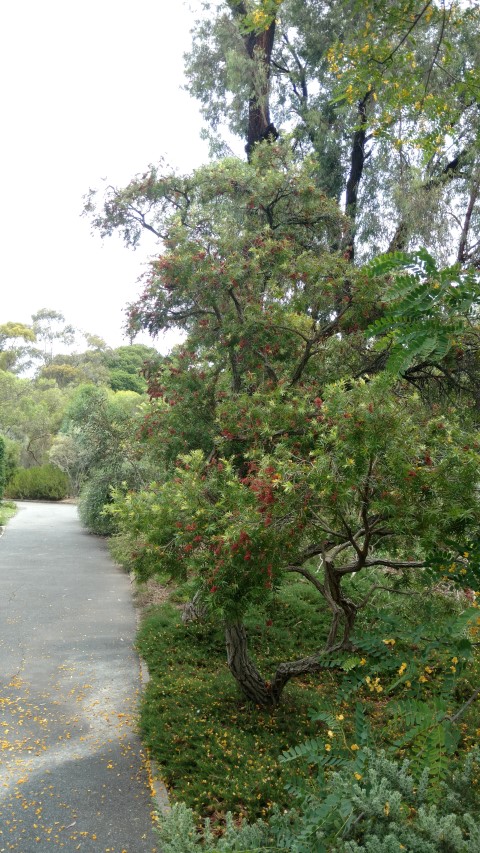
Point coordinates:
[[384, 93]]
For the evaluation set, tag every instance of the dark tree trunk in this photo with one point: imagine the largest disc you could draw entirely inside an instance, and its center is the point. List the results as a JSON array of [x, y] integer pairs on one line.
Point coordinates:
[[267, 694], [344, 611], [259, 46], [251, 683], [357, 162]]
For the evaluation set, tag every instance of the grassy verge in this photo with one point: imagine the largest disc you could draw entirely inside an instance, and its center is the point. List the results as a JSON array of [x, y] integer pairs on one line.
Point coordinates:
[[220, 753], [7, 509]]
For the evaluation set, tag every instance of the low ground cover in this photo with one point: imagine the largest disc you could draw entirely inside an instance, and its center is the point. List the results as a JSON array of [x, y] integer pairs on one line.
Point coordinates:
[[7, 509], [398, 691]]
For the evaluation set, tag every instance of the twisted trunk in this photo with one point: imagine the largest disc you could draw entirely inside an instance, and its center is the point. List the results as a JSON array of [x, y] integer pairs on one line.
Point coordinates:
[[251, 683], [245, 673]]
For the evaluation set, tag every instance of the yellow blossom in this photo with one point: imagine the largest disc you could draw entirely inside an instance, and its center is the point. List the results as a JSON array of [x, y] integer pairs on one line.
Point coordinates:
[[363, 662], [354, 746], [328, 747], [330, 733], [455, 660], [358, 776], [389, 642], [402, 668], [339, 717]]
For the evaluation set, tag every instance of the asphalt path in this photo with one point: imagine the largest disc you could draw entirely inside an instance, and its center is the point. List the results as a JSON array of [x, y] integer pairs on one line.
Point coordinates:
[[72, 771]]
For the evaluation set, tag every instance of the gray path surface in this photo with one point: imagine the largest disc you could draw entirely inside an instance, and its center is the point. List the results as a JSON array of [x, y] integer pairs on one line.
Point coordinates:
[[72, 772]]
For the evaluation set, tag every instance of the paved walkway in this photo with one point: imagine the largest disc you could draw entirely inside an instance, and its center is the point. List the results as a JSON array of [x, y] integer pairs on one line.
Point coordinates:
[[72, 772]]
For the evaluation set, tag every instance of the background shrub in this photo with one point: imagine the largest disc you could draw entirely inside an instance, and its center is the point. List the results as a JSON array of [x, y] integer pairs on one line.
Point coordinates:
[[2, 467], [44, 482], [94, 497]]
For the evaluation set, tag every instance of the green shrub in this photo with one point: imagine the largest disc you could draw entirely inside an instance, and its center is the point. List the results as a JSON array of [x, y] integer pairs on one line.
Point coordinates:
[[383, 810], [2, 467], [12, 458], [44, 482], [94, 497], [7, 509]]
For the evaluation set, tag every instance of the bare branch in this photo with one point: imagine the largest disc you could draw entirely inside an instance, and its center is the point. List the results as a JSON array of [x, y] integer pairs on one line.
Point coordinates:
[[405, 37], [390, 564], [308, 575], [461, 711], [376, 586]]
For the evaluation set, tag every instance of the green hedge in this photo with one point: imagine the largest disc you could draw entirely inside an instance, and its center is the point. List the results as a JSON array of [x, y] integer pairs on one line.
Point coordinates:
[[45, 482]]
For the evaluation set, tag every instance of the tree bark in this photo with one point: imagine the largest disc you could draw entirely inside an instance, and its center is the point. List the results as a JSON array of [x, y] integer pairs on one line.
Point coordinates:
[[357, 162], [259, 47], [343, 609], [254, 687], [251, 683]]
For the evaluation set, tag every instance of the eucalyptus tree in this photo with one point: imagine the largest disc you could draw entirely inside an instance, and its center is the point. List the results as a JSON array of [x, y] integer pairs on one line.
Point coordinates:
[[385, 94]]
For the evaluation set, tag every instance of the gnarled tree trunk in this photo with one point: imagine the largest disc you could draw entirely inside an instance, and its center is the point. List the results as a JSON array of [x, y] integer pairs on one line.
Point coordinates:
[[251, 683]]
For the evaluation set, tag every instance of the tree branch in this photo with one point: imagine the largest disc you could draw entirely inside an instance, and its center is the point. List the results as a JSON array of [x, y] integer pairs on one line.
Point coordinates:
[[308, 575]]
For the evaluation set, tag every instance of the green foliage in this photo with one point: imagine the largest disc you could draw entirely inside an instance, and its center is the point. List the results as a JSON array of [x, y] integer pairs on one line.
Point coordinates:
[[50, 327], [427, 310], [178, 833], [43, 482], [2, 466], [7, 509], [238, 534], [273, 459], [16, 350], [125, 366], [99, 450], [380, 810], [95, 497], [30, 415], [395, 82], [384, 808], [216, 751]]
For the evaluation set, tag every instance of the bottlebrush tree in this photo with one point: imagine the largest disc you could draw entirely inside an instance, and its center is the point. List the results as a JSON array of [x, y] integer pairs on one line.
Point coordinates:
[[283, 447]]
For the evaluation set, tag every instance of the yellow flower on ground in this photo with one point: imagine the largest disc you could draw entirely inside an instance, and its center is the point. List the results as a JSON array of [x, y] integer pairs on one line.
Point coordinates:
[[354, 746], [358, 776], [328, 747], [389, 642]]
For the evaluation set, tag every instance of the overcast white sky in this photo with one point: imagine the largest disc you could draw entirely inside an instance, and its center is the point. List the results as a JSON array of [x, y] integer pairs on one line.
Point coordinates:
[[90, 90]]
